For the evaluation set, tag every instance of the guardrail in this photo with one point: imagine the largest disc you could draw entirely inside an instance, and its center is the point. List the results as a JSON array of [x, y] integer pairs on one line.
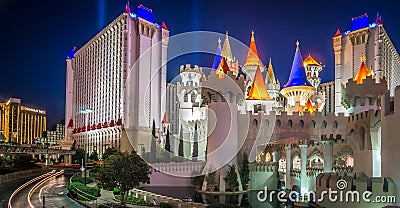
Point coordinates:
[[21, 174]]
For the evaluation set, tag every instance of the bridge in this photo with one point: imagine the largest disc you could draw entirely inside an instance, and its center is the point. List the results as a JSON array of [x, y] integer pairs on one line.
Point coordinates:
[[16, 149]]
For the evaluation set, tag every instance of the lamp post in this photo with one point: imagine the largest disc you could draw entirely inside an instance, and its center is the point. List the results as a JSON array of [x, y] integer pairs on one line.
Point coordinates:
[[86, 111]]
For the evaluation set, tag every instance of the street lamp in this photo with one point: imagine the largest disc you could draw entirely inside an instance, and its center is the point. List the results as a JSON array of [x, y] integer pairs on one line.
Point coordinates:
[[86, 111]]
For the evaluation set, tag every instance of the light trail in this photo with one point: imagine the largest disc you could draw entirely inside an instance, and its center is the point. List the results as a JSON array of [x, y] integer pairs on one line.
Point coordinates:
[[27, 184], [40, 183]]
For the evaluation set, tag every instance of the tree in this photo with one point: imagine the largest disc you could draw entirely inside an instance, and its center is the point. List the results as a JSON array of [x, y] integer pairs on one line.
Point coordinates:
[[167, 147], [245, 170], [125, 171], [94, 156], [23, 162], [110, 151], [231, 177], [77, 158], [180, 148], [153, 150], [195, 153]]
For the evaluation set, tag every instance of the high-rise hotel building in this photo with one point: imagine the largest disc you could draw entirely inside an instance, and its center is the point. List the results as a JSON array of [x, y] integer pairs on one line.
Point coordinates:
[[371, 40], [20, 124], [120, 74]]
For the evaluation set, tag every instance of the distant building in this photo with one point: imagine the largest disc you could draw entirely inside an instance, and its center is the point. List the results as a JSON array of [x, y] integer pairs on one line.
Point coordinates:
[[51, 137], [21, 124], [328, 89], [172, 107], [371, 40]]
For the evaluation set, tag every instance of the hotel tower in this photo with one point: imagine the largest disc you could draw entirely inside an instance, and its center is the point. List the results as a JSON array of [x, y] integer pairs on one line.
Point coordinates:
[[120, 74]]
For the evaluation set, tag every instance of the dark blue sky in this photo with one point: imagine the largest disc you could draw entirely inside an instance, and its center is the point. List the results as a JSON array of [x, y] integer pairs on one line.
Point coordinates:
[[37, 35]]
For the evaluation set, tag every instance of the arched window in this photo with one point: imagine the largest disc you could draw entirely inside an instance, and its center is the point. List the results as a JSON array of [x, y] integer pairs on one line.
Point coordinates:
[[362, 138], [313, 123], [335, 124], [255, 123], [185, 97], [290, 123], [193, 97], [301, 123], [324, 124], [278, 123]]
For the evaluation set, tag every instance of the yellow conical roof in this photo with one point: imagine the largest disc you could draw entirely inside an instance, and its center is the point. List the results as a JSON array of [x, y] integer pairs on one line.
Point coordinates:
[[363, 72], [252, 56], [309, 106], [310, 61], [258, 90], [270, 78]]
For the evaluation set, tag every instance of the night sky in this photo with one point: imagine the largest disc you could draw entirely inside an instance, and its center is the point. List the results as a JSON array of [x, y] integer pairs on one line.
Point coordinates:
[[37, 35]]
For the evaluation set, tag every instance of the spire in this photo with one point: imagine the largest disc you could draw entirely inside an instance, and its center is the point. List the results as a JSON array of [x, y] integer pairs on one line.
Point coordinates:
[[223, 68], [165, 119], [252, 55], [217, 58], [337, 33], [378, 19], [297, 74], [363, 72], [258, 90], [127, 8], [226, 50], [164, 26], [270, 78]]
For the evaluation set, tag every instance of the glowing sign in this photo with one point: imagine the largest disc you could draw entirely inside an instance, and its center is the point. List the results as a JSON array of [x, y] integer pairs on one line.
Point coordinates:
[[33, 110]]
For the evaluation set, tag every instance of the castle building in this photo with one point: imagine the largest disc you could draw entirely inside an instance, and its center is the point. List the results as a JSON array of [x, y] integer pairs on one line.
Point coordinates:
[[372, 40], [313, 68], [272, 84], [21, 124], [226, 53], [120, 74]]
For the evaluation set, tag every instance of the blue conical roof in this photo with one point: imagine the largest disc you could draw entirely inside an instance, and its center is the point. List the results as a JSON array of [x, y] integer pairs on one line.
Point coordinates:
[[297, 74], [218, 57]]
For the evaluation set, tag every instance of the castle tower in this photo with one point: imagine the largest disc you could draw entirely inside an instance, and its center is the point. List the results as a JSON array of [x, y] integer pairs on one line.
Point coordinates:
[[273, 85], [298, 89], [362, 92], [221, 95], [218, 56], [258, 98], [313, 68], [227, 54], [252, 60], [191, 110], [372, 40]]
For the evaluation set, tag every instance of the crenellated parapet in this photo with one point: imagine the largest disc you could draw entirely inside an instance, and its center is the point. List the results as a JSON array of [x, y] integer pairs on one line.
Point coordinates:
[[363, 95], [228, 88], [309, 126]]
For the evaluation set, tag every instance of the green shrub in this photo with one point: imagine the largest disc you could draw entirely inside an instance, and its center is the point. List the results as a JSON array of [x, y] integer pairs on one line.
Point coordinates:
[[116, 191], [82, 192], [165, 205], [81, 179], [134, 200]]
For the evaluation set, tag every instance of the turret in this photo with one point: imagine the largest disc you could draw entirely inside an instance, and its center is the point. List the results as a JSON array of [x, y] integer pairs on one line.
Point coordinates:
[[362, 92], [258, 98], [252, 60], [298, 89], [313, 68], [230, 59]]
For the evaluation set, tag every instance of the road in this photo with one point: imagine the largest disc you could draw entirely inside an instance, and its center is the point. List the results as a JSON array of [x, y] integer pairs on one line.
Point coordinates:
[[7, 189], [54, 191]]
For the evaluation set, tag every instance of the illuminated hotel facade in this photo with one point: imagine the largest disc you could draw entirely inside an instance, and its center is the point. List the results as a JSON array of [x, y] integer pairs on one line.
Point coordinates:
[[21, 124], [371, 40], [121, 75]]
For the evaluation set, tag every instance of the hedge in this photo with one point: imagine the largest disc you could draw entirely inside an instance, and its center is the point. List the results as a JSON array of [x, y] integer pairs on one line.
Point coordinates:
[[134, 200], [90, 193], [81, 179]]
